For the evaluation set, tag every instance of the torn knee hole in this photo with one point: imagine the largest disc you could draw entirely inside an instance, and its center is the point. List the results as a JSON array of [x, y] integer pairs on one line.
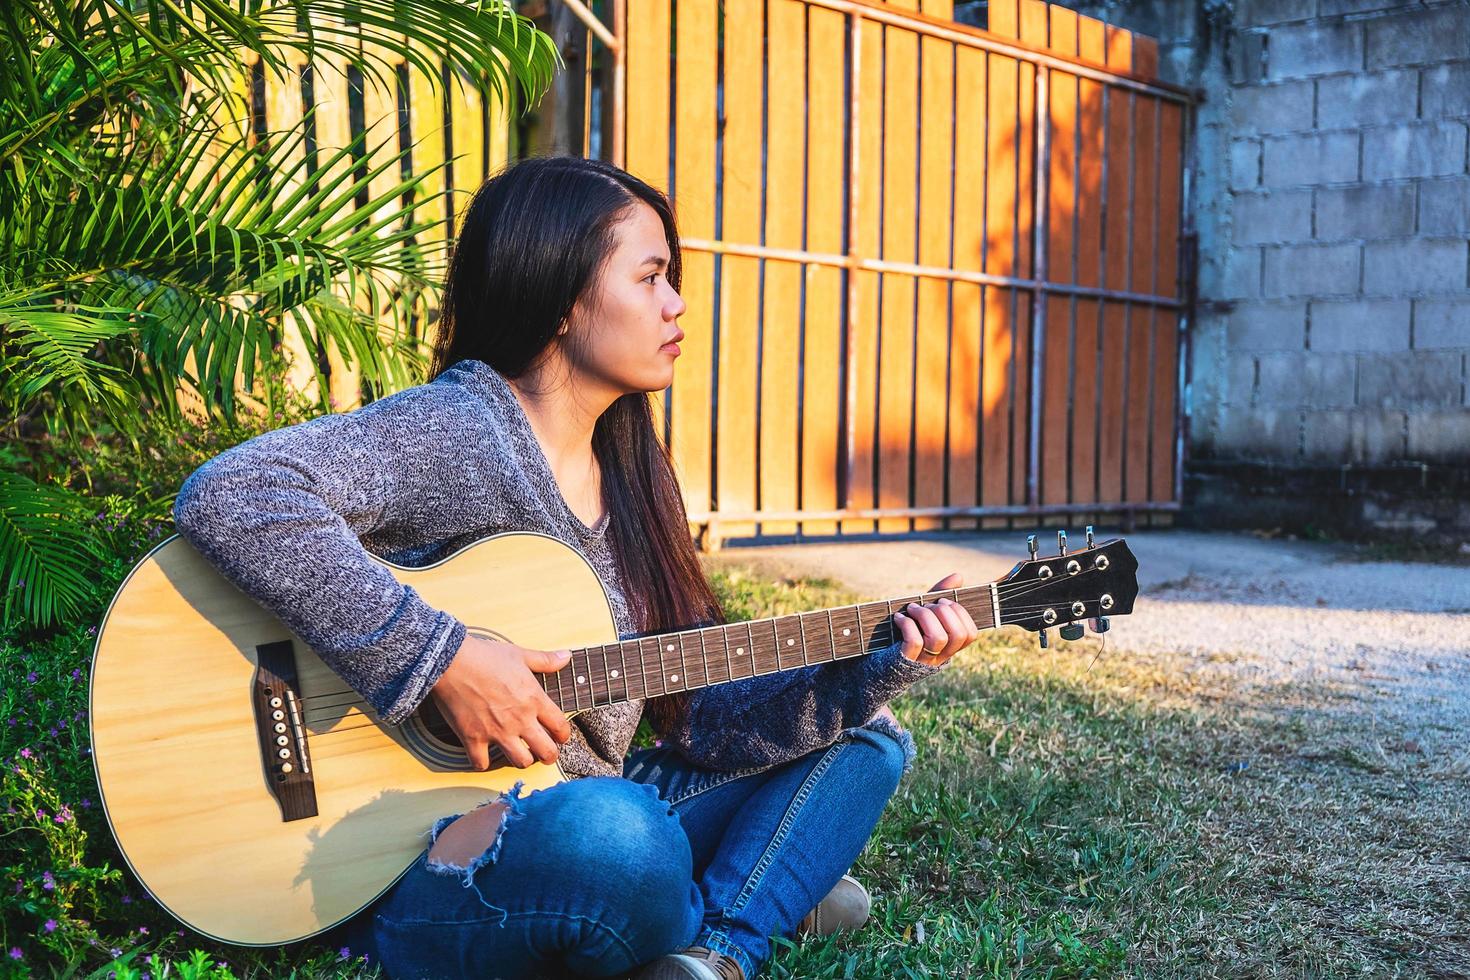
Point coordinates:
[[462, 845], [468, 837]]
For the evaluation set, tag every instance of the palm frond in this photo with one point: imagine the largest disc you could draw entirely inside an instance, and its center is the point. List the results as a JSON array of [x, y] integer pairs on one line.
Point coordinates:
[[46, 555]]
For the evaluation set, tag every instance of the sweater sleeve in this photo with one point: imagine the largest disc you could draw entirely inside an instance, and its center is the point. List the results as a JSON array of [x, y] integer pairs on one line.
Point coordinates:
[[280, 516], [774, 718]]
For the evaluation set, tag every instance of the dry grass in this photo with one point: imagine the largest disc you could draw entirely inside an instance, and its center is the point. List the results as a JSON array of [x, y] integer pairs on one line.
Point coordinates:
[[1084, 811]]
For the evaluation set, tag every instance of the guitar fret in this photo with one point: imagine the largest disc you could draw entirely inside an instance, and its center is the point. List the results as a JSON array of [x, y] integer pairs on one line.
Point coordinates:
[[579, 677], [801, 625], [593, 678], [704, 657], [642, 667], [623, 672], [831, 638], [729, 665]]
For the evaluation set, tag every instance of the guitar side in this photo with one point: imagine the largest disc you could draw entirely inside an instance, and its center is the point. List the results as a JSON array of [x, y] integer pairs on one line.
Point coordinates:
[[183, 778]]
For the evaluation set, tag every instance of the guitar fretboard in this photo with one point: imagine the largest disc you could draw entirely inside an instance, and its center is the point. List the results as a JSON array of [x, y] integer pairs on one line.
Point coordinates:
[[652, 666]]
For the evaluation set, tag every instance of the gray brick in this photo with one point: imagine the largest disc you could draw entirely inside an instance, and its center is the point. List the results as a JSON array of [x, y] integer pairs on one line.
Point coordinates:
[[1418, 37], [1311, 270], [1410, 379], [1312, 158], [1421, 265], [1427, 150], [1365, 211], [1245, 164], [1272, 108], [1440, 436], [1360, 325], [1247, 53], [1377, 435], [1446, 91], [1336, 8], [1367, 99], [1314, 49], [1260, 12], [1444, 206], [1306, 380], [1280, 216], [1270, 433], [1240, 377], [1267, 326], [1242, 278], [1327, 435], [1442, 323]]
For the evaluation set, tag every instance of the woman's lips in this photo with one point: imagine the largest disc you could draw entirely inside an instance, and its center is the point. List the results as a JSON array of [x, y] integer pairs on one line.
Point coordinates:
[[671, 347]]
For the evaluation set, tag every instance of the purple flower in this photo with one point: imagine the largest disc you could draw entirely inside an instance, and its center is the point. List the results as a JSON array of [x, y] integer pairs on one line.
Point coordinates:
[[47, 881], [53, 731], [15, 953], [76, 672], [86, 803], [50, 925], [143, 930], [115, 951], [343, 953], [10, 722], [41, 815], [25, 753], [127, 900], [31, 677], [64, 815]]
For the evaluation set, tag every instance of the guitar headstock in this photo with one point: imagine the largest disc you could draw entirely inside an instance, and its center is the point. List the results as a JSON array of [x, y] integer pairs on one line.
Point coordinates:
[[1093, 583]]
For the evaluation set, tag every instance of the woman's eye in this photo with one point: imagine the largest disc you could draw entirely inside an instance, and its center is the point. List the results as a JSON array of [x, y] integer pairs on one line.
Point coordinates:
[[650, 276]]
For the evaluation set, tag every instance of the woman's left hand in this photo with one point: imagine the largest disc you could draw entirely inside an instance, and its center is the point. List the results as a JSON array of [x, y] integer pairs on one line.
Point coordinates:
[[932, 632]]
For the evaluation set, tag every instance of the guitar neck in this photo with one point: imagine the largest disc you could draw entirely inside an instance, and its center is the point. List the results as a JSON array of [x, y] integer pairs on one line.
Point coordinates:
[[652, 666]]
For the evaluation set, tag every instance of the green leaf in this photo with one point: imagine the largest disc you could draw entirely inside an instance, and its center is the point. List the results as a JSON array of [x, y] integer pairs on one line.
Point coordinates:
[[46, 555]]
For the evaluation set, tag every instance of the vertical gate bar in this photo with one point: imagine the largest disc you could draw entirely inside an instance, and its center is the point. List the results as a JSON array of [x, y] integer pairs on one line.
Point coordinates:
[[619, 100], [855, 104], [1042, 164], [1185, 284]]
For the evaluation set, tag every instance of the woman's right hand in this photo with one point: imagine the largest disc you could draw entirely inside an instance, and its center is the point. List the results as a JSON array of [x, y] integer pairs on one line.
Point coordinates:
[[488, 694]]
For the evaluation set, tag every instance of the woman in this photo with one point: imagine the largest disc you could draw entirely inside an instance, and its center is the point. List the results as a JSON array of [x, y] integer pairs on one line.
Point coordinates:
[[560, 316]]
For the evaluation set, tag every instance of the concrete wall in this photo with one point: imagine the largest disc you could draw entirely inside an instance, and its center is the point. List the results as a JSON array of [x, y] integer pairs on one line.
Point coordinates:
[[1333, 210]]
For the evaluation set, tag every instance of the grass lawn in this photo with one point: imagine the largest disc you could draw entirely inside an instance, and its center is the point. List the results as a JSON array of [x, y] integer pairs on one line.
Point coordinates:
[[1073, 812]]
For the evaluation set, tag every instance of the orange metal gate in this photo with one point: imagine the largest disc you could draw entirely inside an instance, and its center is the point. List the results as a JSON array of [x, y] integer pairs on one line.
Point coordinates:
[[930, 270]]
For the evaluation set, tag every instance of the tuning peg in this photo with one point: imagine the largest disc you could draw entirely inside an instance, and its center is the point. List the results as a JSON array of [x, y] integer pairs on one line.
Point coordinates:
[[1089, 535], [1042, 637], [1099, 624], [1031, 545], [1062, 542], [1072, 631]]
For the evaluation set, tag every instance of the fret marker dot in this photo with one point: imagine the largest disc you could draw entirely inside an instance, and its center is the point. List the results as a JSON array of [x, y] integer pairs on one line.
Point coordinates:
[[845, 632], [674, 678], [670, 648], [790, 642], [614, 673], [740, 649], [581, 679]]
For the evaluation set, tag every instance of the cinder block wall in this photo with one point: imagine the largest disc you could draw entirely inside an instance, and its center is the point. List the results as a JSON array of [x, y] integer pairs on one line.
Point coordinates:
[[1333, 213]]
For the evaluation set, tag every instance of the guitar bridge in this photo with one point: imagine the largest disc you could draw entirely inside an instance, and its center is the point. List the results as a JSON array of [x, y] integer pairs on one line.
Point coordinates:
[[283, 747]]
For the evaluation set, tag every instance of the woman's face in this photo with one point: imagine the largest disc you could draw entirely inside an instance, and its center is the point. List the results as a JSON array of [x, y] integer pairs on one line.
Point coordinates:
[[627, 331]]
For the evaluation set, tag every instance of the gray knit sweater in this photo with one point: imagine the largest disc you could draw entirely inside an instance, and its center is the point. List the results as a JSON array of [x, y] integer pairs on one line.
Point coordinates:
[[291, 516]]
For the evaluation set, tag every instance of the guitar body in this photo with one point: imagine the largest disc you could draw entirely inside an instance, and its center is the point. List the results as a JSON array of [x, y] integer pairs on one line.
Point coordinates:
[[186, 781]]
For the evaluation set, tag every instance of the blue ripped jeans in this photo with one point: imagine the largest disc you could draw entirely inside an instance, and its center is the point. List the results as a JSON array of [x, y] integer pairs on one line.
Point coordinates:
[[595, 876]]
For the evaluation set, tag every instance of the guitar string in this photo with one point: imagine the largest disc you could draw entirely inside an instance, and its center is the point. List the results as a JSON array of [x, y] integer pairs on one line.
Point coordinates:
[[593, 692], [882, 633], [1009, 590]]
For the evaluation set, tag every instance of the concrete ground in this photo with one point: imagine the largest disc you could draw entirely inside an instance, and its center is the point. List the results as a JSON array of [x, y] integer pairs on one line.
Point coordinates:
[[1389, 640]]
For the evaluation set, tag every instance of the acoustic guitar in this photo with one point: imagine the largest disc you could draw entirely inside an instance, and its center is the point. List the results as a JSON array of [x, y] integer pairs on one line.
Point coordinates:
[[260, 800]]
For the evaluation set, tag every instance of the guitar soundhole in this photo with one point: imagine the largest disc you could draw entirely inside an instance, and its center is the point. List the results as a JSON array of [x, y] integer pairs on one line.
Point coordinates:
[[436, 725]]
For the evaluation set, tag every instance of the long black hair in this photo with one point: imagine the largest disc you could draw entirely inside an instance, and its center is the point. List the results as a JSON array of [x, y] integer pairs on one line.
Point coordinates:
[[533, 241]]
